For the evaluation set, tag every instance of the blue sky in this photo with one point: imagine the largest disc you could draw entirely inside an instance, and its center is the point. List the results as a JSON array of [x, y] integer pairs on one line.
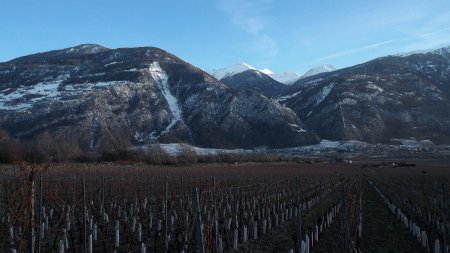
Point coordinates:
[[277, 34]]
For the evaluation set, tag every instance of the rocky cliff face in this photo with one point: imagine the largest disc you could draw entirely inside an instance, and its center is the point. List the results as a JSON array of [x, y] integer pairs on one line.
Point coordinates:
[[387, 98], [99, 98]]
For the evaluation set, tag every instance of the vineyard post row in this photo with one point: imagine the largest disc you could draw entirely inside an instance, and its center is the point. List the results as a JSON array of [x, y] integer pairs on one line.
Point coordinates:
[[89, 229], [421, 234]]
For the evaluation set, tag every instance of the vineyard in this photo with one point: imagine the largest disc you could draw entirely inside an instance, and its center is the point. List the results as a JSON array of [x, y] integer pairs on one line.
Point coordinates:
[[223, 208]]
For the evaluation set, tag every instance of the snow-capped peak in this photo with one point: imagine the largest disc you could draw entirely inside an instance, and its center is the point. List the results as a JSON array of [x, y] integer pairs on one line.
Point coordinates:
[[231, 70], [287, 77], [319, 69]]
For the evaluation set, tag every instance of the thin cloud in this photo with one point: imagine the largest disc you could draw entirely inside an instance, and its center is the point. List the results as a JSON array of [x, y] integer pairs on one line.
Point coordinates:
[[430, 40], [432, 34], [252, 17], [249, 15], [267, 44], [354, 50]]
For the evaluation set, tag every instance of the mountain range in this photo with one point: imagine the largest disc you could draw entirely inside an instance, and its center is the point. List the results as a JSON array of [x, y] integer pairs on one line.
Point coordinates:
[[94, 98], [286, 77]]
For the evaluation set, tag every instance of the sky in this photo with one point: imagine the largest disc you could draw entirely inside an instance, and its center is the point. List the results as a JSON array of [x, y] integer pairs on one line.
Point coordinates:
[[281, 35]]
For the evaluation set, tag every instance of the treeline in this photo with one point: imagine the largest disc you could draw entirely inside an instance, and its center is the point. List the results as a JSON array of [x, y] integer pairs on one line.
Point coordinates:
[[44, 148], [47, 149], [156, 155]]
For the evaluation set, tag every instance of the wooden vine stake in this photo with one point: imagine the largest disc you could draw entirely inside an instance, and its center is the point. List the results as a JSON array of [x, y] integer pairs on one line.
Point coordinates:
[[32, 236], [198, 221], [166, 216], [299, 218]]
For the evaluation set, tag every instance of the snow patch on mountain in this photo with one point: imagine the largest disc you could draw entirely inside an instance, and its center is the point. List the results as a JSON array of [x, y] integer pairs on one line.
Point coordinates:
[[319, 69], [372, 86], [24, 97], [297, 128], [284, 98], [77, 88], [111, 63], [324, 93], [161, 78], [85, 49]]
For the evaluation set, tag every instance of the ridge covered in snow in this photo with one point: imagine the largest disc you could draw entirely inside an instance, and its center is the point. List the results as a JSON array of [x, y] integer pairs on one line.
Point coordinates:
[[438, 51], [319, 69]]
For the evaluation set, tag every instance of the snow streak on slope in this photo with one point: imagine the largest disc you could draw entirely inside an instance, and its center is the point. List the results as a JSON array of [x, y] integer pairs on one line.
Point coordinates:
[[324, 93], [160, 76]]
